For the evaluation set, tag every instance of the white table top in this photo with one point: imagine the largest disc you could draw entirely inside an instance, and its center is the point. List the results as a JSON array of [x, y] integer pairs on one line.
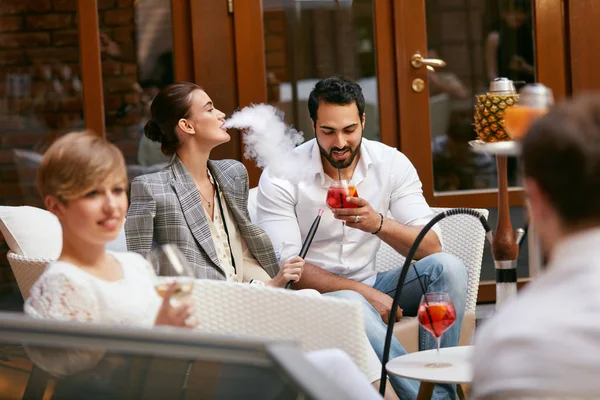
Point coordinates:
[[508, 148], [413, 365]]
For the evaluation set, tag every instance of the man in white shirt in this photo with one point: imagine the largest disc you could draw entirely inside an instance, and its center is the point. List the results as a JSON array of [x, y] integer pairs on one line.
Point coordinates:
[[341, 260], [546, 343]]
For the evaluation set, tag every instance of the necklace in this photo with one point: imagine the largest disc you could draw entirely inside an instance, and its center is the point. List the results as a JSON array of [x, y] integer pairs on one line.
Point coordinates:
[[205, 199], [211, 184]]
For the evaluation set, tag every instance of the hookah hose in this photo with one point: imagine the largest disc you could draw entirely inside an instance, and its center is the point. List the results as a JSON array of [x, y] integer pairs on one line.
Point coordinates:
[[404, 272]]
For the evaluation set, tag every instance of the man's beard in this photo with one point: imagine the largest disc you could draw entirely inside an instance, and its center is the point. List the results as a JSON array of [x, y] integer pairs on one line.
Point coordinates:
[[341, 163]]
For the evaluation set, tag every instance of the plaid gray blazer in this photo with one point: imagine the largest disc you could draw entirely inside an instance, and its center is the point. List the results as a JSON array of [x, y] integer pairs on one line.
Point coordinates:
[[166, 207]]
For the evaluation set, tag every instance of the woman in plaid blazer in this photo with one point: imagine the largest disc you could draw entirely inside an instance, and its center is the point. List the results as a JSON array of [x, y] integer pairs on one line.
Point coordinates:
[[198, 204]]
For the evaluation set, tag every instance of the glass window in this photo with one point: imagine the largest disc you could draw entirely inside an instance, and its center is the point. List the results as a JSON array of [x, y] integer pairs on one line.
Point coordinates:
[[137, 61], [480, 41], [306, 41]]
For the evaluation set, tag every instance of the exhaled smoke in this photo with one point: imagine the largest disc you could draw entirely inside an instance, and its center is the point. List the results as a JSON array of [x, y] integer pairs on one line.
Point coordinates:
[[270, 142]]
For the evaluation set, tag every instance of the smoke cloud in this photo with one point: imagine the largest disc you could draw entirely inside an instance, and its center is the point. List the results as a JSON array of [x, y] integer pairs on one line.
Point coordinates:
[[270, 142]]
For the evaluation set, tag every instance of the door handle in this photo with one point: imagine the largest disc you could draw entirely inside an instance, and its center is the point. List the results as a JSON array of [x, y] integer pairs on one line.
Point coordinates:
[[418, 61]]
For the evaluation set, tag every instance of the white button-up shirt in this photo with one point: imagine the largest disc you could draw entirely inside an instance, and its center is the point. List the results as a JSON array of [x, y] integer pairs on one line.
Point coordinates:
[[546, 342], [383, 176]]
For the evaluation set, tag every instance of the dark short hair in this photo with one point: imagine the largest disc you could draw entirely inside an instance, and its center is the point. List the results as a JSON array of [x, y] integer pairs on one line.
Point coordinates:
[[170, 105], [561, 152], [335, 90]]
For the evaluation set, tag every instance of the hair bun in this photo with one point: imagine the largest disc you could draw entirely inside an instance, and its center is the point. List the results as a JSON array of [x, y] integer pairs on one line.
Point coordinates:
[[153, 131]]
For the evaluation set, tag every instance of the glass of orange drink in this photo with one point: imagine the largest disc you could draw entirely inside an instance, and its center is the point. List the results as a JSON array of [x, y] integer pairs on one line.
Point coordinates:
[[534, 101]]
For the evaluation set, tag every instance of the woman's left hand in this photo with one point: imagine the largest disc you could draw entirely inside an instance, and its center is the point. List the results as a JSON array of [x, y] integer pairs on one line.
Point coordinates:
[[291, 270], [364, 217]]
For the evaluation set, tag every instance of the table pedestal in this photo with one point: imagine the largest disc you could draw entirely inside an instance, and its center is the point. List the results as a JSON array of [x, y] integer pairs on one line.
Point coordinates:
[[505, 249], [426, 391]]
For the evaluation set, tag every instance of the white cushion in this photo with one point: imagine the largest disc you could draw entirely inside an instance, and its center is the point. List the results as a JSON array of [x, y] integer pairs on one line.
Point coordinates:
[[34, 232], [31, 231]]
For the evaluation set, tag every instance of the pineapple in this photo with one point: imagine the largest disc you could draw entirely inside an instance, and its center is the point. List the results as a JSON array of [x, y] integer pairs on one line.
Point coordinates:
[[489, 116]]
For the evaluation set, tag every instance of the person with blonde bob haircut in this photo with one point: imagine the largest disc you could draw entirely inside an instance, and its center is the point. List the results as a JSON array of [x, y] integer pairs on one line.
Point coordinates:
[[82, 180]]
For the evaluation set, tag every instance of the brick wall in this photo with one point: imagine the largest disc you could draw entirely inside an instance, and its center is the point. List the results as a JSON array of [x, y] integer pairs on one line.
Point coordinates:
[[39, 94], [122, 93], [141, 39], [40, 89]]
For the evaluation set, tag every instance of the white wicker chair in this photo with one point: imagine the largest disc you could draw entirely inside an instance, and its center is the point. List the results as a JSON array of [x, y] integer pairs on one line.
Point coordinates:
[[44, 227], [314, 321], [26, 270], [464, 237]]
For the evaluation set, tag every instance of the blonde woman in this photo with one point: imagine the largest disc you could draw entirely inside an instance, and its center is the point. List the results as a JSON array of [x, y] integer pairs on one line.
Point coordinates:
[[83, 181]]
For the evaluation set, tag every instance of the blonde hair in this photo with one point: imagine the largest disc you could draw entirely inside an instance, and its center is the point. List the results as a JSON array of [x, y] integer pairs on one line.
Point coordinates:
[[77, 162]]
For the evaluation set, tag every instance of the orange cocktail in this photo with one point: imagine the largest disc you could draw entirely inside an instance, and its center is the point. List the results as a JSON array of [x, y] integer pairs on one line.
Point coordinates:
[[436, 317], [518, 119], [336, 196]]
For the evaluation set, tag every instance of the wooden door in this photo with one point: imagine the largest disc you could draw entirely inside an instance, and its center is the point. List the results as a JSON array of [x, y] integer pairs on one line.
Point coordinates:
[[476, 39], [456, 31]]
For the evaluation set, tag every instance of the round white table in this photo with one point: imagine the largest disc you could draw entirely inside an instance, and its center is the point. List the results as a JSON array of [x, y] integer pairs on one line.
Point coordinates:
[[412, 366]]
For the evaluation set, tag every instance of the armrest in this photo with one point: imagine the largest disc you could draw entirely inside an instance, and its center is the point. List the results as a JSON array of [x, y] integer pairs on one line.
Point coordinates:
[[315, 322]]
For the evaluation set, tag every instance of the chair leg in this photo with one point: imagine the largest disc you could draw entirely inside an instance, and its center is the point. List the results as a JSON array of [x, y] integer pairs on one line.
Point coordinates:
[[36, 384]]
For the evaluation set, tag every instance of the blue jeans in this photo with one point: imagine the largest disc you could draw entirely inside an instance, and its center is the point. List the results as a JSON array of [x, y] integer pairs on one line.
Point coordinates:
[[439, 272]]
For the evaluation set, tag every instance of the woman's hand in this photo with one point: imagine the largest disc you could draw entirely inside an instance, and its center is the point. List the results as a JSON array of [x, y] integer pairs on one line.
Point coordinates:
[[182, 316], [291, 270]]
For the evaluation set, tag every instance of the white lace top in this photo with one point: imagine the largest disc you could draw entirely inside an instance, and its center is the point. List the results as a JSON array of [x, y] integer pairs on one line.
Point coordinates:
[[66, 292]]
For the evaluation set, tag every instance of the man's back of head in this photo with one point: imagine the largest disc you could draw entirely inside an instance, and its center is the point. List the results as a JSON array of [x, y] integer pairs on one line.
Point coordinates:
[[544, 343], [561, 163]]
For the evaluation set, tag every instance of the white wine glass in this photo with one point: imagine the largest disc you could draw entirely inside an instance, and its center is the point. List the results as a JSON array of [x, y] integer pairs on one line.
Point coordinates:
[[170, 265]]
